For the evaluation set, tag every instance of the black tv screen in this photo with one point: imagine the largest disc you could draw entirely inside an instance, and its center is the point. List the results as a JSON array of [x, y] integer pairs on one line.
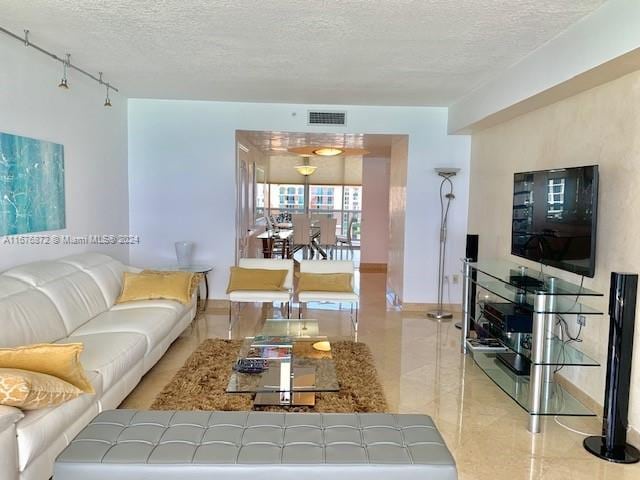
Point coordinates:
[[554, 218]]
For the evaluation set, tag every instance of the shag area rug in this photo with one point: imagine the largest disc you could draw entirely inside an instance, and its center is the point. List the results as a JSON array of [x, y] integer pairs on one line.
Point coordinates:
[[201, 382]]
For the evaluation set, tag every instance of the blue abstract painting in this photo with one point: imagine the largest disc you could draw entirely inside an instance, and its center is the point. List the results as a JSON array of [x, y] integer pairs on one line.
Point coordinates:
[[31, 185]]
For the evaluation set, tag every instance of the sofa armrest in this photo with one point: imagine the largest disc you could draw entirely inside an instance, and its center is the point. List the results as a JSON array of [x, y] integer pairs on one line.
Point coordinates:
[[9, 416]]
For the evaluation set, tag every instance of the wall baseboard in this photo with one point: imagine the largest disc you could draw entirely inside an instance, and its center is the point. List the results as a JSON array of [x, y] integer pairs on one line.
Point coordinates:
[[216, 304], [425, 307], [373, 268], [633, 435]]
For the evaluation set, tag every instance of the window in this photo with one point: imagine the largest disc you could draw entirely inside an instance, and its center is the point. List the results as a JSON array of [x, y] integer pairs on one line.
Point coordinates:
[[285, 197], [323, 197], [352, 197], [555, 197]]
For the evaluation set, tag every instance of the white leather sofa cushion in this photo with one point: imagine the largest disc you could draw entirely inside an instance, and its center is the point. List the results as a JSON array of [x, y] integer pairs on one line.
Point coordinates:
[[38, 427], [177, 307], [27, 315], [77, 298], [154, 323], [74, 293], [105, 271], [258, 296], [39, 273], [347, 297], [111, 355]]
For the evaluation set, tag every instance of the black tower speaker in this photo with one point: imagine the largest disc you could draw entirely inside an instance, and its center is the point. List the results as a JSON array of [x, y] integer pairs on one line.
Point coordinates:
[[471, 251], [612, 445]]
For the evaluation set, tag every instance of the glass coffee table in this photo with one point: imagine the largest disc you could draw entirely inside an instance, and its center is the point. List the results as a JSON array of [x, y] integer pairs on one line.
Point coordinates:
[[286, 364]]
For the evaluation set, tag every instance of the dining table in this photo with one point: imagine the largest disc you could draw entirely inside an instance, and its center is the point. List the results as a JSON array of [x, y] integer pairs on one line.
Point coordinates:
[[269, 239], [282, 233]]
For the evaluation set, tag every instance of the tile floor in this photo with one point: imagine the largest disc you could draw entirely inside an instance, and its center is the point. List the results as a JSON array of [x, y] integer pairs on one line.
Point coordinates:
[[422, 371]]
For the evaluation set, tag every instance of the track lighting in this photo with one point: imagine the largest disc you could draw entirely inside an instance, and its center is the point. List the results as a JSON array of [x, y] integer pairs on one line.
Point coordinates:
[[65, 63]]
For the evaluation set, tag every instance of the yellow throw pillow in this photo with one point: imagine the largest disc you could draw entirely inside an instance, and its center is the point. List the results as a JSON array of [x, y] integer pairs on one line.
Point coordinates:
[[59, 360], [324, 282], [196, 278], [156, 286], [32, 390], [256, 279]]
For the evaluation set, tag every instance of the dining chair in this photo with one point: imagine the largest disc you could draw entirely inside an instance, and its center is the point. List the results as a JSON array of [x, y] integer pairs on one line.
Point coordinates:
[[328, 237], [301, 234], [347, 239]]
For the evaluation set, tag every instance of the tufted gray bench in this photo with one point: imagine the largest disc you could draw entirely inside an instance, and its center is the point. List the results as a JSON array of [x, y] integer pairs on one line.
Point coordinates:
[[129, 444]]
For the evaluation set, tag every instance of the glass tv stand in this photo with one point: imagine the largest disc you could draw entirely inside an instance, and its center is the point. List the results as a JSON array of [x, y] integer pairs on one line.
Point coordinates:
[[548, 301]]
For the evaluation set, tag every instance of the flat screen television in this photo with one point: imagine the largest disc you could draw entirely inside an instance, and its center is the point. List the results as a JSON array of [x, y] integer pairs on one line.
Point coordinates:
[[554, 218]]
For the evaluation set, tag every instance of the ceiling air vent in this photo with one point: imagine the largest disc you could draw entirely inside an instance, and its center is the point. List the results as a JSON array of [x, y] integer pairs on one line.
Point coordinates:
[[327, 118]]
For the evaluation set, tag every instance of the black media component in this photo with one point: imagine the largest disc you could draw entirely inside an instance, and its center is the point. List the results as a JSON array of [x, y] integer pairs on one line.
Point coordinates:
[[518, 364], [509, 317], [612, 445], [517, 279]]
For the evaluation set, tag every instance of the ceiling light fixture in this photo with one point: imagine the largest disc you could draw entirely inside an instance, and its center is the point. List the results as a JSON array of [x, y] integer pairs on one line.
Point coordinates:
[[328, 151], [64, 83], [305, 169]]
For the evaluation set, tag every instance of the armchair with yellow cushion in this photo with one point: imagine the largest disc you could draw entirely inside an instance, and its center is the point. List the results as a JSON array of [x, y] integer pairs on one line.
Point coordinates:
[[328, 281], [261, 280]]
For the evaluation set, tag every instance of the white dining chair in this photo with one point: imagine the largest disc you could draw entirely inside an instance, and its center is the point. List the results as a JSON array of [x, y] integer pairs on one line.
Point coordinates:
[[301, 234], [328, 237], [347, 239]]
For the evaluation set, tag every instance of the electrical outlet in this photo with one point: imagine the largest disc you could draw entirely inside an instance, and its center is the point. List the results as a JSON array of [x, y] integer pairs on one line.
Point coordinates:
[[456, 279], [582, 320]]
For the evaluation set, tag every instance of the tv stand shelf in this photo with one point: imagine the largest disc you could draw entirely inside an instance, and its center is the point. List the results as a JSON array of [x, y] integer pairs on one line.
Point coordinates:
[[546, 299]]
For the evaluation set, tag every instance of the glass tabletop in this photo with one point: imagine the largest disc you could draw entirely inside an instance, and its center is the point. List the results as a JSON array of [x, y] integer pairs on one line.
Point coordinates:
[[531, 279], [187, 268], [286, 356]]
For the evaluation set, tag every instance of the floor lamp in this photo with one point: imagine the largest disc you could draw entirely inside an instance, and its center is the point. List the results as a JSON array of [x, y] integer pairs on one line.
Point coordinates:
[[445, 203]]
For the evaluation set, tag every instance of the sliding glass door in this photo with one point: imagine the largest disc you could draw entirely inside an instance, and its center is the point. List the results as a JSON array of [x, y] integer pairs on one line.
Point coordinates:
[[343, 202]]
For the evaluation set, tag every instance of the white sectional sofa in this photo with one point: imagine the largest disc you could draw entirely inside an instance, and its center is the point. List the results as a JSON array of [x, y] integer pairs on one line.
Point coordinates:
[[72, 300]]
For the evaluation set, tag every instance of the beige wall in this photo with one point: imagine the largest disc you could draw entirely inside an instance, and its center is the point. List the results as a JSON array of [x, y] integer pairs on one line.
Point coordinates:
[[600, 126], [374, 246], [397, 210]]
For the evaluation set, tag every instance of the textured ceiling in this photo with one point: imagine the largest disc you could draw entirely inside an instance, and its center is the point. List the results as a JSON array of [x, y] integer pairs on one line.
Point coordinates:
[[377, 52]]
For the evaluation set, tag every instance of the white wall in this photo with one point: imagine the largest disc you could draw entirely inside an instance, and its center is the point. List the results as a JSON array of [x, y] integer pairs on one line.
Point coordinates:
[[374, 247], [95, 147], [182, 179]]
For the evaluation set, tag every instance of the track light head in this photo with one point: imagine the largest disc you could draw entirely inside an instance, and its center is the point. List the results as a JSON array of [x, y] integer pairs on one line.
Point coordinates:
[[64, 83], [107, 100]]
